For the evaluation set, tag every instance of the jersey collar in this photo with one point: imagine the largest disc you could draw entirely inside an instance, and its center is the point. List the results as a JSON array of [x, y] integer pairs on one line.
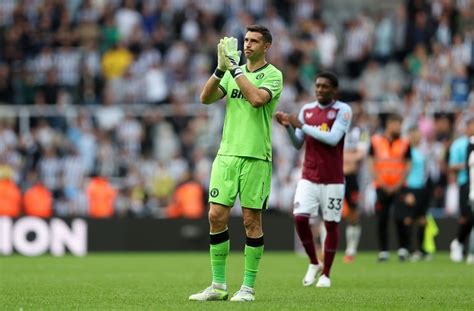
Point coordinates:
[[256, 70], [327, 106]]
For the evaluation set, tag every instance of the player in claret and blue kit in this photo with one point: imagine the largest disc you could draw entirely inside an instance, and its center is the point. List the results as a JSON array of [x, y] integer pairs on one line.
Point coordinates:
[[321, 125]]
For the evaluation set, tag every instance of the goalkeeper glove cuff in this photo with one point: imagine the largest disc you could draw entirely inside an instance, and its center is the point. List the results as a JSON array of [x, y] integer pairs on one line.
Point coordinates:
[[218, 74], [236, 72]]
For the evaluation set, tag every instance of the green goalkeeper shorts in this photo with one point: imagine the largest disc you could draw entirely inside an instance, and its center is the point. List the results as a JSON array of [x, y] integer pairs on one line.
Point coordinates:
[[248, 177]]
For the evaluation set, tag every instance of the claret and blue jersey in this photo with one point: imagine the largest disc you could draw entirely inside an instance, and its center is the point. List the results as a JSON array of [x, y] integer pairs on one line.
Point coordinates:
[[323, 131]]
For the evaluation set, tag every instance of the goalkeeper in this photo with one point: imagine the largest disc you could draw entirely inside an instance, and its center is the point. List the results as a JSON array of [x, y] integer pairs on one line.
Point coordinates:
[[243, 163]]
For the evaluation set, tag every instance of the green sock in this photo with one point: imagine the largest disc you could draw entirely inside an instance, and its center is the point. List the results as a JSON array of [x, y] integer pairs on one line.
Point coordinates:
[[253, 253], [220, 245]]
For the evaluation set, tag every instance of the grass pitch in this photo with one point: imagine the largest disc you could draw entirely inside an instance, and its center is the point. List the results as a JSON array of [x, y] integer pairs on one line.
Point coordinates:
[[163, 281]]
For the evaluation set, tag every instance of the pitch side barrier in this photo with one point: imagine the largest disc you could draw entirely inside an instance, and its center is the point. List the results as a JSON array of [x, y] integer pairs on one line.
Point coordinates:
[[31, 236]]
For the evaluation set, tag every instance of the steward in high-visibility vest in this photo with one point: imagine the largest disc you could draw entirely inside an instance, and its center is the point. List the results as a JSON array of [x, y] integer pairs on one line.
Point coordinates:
[[10, 198], [188, 201], [101, 197], [38, 201], [390, 160]]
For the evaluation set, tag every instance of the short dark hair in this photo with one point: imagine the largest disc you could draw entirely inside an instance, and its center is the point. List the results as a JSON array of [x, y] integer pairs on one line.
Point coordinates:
[[266, 35], [330, 76], [394, 117]]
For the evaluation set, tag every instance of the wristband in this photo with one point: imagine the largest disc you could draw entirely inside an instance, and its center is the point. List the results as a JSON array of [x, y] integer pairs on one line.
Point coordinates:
[[236, 72], [218, 74]]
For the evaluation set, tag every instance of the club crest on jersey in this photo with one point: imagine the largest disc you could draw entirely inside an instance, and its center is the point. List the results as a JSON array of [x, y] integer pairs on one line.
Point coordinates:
[[214, 192], [331, 114]]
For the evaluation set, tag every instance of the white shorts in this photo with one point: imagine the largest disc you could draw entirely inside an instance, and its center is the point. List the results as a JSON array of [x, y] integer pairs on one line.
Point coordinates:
[[309, 197]]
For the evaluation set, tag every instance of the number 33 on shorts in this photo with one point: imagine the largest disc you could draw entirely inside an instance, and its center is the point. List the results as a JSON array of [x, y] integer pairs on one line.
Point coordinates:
[[309, 197]]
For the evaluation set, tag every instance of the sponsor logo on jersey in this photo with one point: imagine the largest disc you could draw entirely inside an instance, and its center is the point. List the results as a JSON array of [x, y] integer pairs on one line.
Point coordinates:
[[309, 114], [324, 127], [331, 114], [259, 76], [236, 94]]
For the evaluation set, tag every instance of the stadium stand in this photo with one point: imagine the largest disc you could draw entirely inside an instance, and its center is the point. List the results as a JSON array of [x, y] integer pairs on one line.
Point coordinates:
[[112, 87]]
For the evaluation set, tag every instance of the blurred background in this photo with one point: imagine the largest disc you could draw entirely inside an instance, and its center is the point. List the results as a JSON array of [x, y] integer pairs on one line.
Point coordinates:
[[100, 99]]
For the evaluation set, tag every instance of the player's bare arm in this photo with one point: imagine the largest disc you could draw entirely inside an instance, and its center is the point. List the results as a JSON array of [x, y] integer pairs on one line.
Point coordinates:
[[255, 96], [293, 119], [456, 168], [211, 91], [296, 139], [282, 118]]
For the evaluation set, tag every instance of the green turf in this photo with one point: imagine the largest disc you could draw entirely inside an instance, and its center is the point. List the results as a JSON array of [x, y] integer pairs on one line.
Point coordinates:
[[163, 281]]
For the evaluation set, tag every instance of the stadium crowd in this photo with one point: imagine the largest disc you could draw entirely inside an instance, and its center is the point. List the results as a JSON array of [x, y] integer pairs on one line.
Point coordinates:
[[102, 58]]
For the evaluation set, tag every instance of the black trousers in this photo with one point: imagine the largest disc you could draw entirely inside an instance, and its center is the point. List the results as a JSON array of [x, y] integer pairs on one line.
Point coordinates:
[[386, 202]]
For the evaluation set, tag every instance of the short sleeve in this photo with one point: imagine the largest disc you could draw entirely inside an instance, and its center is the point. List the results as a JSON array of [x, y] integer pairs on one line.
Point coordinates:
[[454, 154], [273, 83], [301, 115]]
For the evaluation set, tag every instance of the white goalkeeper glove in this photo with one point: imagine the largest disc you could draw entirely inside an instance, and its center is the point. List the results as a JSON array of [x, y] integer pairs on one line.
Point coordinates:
[[232, 56], [221, 60]]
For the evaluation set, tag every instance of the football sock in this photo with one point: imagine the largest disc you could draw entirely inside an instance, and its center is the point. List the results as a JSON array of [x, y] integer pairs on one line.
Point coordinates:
[[253, 252], [352, 237], [219, 249], [421, 237], [306, 237], [464, 230], [330, 245]]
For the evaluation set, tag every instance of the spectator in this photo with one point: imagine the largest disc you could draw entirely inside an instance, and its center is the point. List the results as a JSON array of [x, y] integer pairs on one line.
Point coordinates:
[[113, 53], [6, 84], [116, 61], [101, 197], [126, 19], [10, 198], [188, 199], [460, 87], [37, 200], [357, 43]]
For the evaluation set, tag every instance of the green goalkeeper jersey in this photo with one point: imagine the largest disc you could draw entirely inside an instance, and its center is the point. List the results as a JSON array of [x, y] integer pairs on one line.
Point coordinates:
[[247, 130]]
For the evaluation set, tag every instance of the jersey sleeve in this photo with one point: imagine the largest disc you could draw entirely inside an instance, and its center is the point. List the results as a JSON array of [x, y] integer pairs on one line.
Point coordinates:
[[299, 132], [273, 83], [339, 128], [343, 119], [455, 155], [224, 82]]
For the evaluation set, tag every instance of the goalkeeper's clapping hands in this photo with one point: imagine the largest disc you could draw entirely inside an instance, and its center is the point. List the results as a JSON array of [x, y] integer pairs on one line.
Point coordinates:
[[221, 60], [232, 56], [228, 58]]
